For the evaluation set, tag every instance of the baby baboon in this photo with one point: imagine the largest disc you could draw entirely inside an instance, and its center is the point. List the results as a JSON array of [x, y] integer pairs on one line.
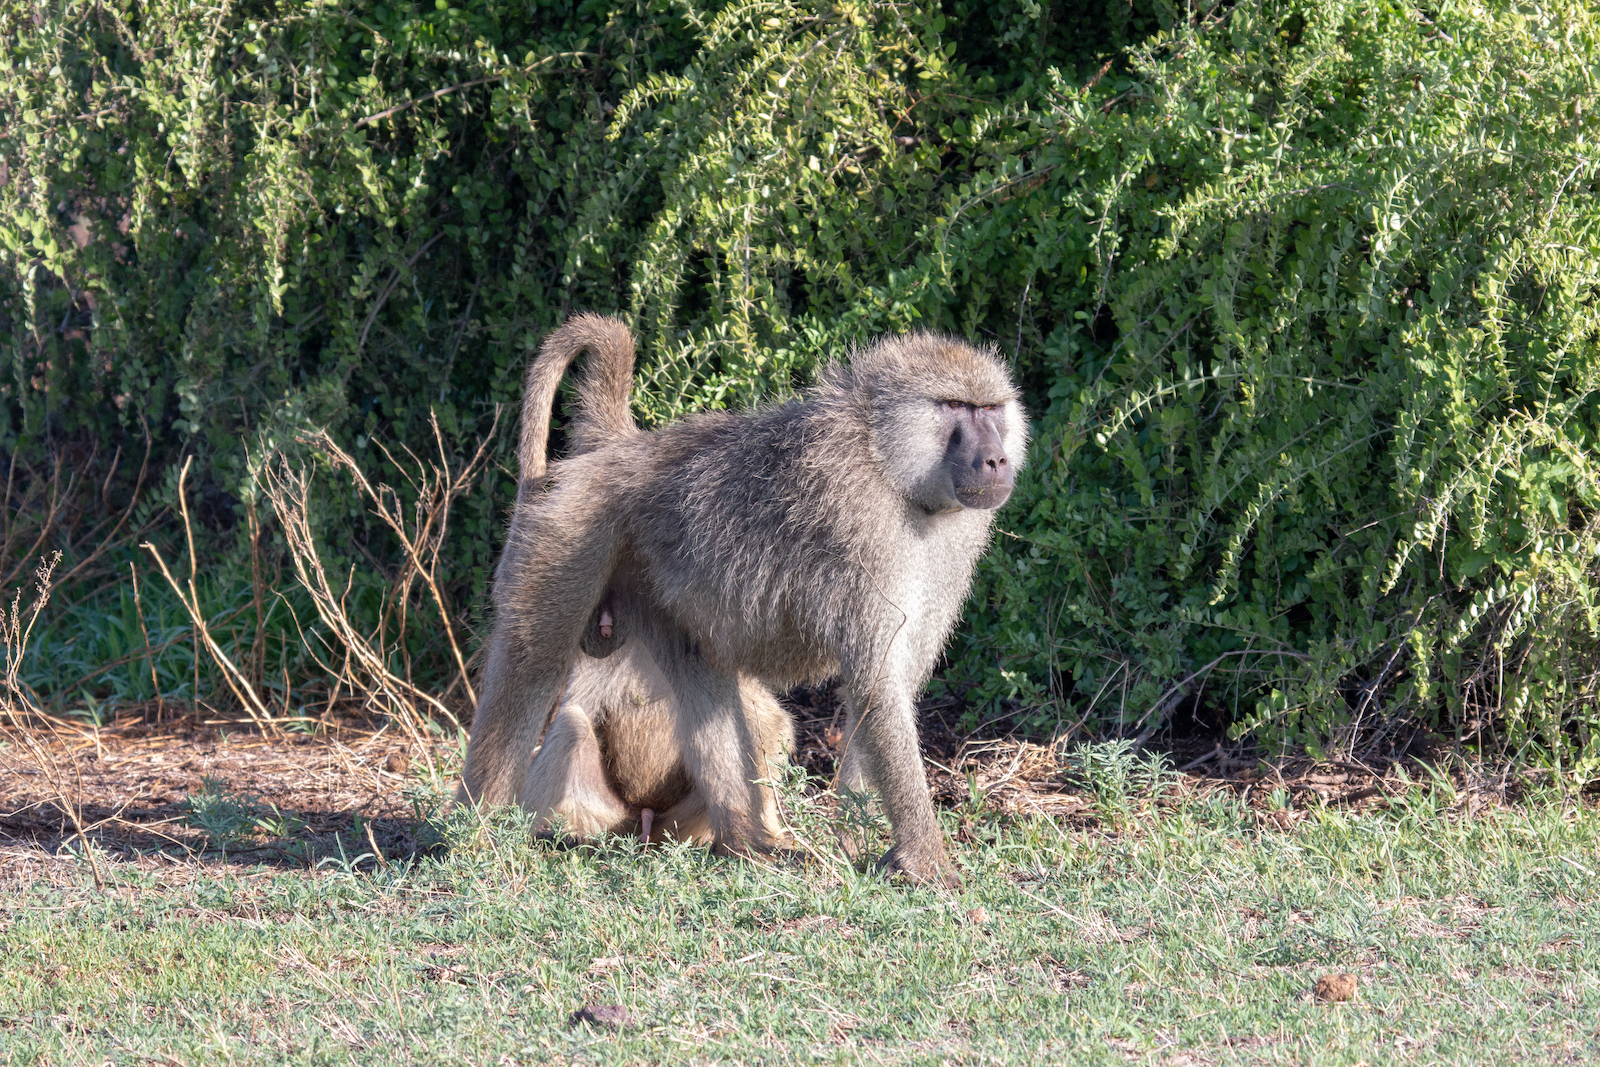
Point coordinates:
[[610, 761], [624, 769], [829, 536]]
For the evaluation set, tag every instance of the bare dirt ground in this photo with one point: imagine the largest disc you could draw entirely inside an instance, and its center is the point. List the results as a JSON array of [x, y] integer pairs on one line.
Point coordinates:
[[125, 787], [356, 786]]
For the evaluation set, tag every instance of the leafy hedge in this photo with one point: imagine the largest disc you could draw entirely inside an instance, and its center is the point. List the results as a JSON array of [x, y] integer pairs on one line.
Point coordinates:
[[1302, 296], [1337, 469]]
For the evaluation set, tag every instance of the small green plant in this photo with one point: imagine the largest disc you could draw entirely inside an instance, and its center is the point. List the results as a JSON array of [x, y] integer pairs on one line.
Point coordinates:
[[1118, 776], [860, 825], [229, 818]]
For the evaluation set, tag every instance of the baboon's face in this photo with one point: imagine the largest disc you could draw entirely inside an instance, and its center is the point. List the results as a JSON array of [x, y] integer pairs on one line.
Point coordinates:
[[950, 454], [980, 473]]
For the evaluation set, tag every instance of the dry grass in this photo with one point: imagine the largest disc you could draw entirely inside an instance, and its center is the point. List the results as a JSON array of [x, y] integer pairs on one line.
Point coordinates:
[[123, 791]]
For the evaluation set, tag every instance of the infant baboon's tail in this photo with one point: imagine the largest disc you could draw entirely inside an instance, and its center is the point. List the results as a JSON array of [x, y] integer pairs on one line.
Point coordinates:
[[604, 386]]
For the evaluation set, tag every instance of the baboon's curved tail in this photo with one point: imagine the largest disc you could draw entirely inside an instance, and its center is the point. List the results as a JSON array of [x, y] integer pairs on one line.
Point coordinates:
[[604, 385]]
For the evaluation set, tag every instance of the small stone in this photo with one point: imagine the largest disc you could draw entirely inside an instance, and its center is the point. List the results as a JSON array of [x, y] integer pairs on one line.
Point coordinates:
[[1335, 988], [396, 763], [977, 916], [614, 1016]]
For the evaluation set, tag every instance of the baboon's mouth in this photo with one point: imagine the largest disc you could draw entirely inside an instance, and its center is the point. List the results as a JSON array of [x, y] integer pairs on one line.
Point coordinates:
[[983, 496]]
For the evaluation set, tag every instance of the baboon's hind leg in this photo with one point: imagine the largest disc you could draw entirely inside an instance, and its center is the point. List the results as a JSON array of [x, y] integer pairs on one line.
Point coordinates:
[[540, 614], [566, 782]]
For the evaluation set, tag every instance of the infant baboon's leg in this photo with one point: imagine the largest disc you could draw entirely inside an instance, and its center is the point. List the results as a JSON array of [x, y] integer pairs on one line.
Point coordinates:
[[684, 821], [567, 780], [733, 803]]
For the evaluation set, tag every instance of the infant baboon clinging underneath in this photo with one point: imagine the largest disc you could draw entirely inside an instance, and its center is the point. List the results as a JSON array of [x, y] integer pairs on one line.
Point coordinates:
[[829, 536]]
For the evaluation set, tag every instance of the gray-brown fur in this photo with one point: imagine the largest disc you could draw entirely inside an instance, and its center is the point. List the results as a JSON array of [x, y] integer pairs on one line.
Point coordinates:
[[831, 536], [610, 749], [604, 385]]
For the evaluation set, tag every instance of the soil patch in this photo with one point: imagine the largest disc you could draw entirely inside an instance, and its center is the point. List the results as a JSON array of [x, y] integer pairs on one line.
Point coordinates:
[[128, 787], [357, 787]]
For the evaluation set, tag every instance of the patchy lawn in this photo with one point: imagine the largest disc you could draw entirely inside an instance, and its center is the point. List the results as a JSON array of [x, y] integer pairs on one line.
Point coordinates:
[[227, 897]]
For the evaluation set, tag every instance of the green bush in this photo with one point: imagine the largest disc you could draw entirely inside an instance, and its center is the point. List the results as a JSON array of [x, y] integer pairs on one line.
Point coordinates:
[[1336, 469], [224, 225], [1301, 296]]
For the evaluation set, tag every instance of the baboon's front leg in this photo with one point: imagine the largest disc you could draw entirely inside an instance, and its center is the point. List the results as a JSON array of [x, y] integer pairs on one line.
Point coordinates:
[[881, 730]]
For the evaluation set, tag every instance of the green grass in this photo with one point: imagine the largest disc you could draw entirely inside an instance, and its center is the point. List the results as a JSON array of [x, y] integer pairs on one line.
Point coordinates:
[[1191, 935]]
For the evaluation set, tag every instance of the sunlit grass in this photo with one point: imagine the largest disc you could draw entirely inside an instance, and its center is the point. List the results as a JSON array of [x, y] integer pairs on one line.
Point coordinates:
[[1194, 935]]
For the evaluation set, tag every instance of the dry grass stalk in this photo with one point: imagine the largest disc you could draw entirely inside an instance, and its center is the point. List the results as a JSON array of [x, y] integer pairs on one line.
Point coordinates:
[[19, 698], [244, 692], [436, 489], [61, 507], [24, 710], [365, 667], [149, 654]]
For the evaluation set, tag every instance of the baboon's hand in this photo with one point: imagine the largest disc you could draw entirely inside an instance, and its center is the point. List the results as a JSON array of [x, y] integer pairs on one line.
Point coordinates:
[[919, 869]]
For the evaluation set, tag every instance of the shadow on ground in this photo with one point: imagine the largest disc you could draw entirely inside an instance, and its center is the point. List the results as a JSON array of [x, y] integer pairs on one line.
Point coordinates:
[[356, 792]]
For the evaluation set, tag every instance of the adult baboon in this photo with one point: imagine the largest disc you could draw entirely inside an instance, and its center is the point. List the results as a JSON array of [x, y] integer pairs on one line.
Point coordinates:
[[829, 536], [609, 761]]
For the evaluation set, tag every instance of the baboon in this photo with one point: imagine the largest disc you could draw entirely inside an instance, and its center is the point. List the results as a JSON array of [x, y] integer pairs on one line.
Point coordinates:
[[609, 761], [831, 536], [624, 769]]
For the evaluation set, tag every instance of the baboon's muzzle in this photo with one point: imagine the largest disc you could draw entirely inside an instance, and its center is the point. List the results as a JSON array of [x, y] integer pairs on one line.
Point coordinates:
[[980, 473]]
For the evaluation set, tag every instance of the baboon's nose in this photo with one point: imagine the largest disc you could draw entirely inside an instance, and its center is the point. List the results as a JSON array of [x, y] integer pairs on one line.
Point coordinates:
[[985, 480], [988, 462]]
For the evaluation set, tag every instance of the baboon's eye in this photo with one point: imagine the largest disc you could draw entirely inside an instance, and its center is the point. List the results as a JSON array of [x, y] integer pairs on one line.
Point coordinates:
[[991, 407], [955, 405]]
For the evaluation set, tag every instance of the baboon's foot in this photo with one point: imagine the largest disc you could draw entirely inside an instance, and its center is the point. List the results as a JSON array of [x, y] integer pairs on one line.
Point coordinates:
[[748, 844], [901, 865]]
